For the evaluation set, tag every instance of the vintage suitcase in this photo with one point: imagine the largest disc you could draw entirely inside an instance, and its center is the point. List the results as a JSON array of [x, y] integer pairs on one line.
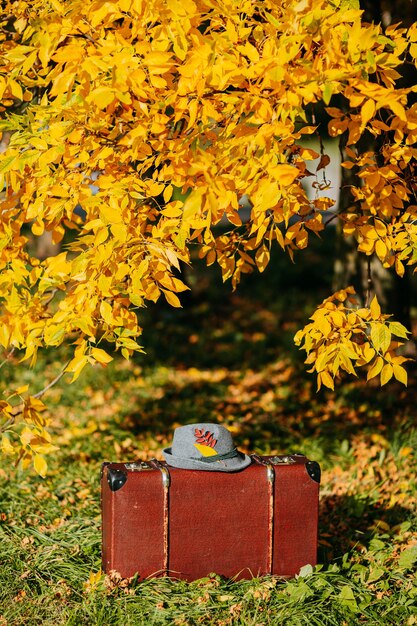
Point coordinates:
[[160, 520]]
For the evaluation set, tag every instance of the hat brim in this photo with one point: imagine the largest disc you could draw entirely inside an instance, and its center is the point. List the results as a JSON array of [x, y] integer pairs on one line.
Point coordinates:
[[234, 464]]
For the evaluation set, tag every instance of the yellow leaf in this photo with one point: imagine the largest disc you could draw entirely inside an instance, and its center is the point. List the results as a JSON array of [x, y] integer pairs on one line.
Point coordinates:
[[397, 109], [35, 403], [167, 193], [261, 231], [16, 89], [102, 97], [57, 6], [173, 258], [192, 111], [172, 211], [40, 465], [346, 363], [94, 578], [367, 111], [262, 258], [369, 231], [6, 446], [375, 308], [375, 368], [76, 366], [398, 330], [158, 62], [337, 318], [38, 143], [205, 450], [172, 299], [110, 215], [40, 445], [327, 92], [106, 313], [285, 174], [400, 374], [380, 226], [386, 373], [327, 380], [380, 337], [21, 389], [406, 451], [399, 268], [4, 335], [101, 236], [193, 203], [368, 353], [381, 249], [101, 356], [119, 232], [49, 156], [323, 358], [180, 238]]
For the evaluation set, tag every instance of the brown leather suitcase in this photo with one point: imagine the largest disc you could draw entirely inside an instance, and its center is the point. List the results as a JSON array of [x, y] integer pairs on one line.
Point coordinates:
[[160, 520]]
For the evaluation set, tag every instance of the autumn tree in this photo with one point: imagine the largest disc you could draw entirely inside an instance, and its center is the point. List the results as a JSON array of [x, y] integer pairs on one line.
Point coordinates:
[[351, 266], [156, 118]]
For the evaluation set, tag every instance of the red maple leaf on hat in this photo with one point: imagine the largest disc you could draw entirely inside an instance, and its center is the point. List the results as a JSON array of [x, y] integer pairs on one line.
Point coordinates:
[[205, 437]]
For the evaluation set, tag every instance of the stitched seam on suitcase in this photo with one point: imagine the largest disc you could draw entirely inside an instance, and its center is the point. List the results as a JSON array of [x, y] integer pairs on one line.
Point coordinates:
[[166, 481], [166, 528], [271, 491], [270, 476], [112, 533]]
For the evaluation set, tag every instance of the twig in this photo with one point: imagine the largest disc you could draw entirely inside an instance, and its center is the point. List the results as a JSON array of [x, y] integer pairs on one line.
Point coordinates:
[[19, 407], [333, 217], [322, 153], [7, 357], [8, 423], [52, 383], [51, 297], [369, 284]]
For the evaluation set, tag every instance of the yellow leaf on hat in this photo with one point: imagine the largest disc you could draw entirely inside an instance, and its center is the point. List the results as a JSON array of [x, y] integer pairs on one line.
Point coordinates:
[[205, 450]]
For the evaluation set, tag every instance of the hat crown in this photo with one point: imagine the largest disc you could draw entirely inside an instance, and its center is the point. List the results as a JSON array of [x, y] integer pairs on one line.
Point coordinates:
[[205, 446], [198, 441]]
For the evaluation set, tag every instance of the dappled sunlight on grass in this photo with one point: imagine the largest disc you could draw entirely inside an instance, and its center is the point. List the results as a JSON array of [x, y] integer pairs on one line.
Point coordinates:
[[228, 359]]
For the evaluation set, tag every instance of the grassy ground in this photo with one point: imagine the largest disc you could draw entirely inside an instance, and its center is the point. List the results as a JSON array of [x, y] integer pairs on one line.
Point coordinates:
[[228, 358]]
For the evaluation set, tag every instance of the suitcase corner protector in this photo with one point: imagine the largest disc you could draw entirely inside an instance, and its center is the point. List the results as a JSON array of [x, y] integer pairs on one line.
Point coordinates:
[[313, 470], [116, 478]]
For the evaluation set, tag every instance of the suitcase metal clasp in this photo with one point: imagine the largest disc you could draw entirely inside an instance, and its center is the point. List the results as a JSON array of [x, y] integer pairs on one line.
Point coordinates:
[[269, 469], [282, 460], [139, 466]]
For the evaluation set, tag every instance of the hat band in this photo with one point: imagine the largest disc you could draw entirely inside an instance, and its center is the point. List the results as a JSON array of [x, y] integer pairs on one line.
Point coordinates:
[[219, 457]]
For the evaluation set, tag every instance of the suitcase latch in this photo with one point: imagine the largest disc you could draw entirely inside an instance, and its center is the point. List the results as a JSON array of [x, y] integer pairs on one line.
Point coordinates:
[[282, 460], [139, 466], [265, 462]]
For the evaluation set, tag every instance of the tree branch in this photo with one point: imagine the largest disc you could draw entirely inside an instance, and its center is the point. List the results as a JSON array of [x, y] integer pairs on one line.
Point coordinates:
[[18, 409], [7, 357], [368, 284], [52, 383]]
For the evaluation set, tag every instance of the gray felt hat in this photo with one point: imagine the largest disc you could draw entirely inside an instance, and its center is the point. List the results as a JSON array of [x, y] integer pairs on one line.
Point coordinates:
[[206, 447]]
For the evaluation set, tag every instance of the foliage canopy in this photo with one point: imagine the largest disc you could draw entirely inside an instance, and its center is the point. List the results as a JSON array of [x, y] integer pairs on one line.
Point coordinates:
[[156, 118]]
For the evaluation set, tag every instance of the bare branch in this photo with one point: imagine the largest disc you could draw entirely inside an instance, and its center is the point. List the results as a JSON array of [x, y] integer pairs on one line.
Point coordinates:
[[52, 383], [18, 409], [369, 284], [6, 360]]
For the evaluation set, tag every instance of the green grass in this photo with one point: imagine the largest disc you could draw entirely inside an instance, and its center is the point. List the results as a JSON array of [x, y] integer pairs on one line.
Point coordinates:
[[228, 358]]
